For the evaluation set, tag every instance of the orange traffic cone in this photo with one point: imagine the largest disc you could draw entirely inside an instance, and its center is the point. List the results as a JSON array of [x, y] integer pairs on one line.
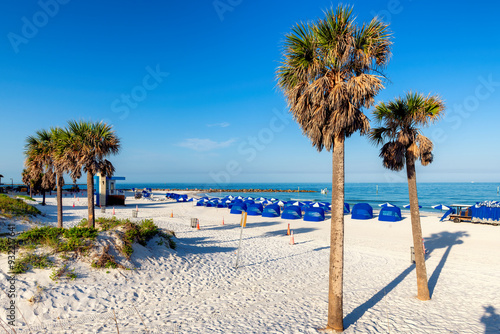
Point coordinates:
[[423, 244], [292, 240], [288, 230], [172, 214], [222, 220], [198, 225], [73, 204], [113, 211]]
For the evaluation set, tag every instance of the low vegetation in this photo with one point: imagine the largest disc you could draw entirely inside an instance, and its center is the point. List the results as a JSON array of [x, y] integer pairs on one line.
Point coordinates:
[[31, 260], [100, 245], [28, 198], [17, 207]]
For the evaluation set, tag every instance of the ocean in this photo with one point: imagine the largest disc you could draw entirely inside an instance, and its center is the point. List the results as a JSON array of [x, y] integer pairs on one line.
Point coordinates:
[[429, 194]]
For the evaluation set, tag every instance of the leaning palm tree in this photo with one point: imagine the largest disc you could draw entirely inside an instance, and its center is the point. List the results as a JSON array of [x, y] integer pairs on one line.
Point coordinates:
[[403, 144], [331, 69], [89, 144], [39, 163]]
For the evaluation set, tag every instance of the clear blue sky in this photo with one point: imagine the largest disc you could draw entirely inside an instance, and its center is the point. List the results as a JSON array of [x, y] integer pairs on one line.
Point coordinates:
[[191, 90]]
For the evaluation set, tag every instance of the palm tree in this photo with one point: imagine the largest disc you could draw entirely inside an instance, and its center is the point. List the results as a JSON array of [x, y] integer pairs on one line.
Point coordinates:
[[330, 71], [60, 165], [89, 144], [39, 163], [403, 144]]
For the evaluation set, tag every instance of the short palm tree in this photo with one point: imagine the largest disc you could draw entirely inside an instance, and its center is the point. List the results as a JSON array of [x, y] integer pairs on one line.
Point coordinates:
[[89, 144], [403, 143], [38, 151], [331, 69]]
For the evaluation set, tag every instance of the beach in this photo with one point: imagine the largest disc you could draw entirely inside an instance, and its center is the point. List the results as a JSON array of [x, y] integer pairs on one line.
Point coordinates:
[[277, 287]]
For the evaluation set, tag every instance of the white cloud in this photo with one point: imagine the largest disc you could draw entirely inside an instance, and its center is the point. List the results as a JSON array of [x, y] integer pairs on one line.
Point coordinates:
[[204, 145], [222, 125]]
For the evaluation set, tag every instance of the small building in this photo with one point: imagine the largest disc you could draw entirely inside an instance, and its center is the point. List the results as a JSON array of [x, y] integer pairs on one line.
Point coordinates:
[[106, 192]]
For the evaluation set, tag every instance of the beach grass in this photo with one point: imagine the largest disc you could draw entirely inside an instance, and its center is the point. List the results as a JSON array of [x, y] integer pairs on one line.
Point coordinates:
[[16, 207]]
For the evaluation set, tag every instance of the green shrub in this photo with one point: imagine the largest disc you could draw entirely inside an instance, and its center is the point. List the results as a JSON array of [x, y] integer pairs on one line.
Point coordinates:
[[16, 207], [22, 264], [46, 235], [81, 232]]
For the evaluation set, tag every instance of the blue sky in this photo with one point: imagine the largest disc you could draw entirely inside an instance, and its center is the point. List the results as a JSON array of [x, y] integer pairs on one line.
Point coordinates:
[[189, 86]]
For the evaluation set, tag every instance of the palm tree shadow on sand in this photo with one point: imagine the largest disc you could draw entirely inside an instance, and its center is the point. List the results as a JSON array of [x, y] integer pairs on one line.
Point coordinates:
[[442, 240], [435, 241], [491, 320]]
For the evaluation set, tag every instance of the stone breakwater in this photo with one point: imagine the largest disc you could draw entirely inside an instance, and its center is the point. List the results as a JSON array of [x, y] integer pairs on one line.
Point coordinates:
[[242, 190]]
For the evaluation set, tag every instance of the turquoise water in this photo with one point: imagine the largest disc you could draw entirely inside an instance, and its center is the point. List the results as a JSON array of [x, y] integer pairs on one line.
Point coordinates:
[[397, 193]]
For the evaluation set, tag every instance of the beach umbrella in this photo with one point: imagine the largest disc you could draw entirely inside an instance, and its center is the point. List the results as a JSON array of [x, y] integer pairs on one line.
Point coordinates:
[[388, 205], [273, 199], [250, 198], [262, 199], [280, 203], [316, 205], [440, 207], [239, 197], [407, 206]]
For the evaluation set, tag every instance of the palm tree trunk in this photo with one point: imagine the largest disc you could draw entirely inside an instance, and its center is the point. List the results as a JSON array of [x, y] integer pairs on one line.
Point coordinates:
[[335, 291], [90, 198], [422, 285], [59, 201], [43, 197]]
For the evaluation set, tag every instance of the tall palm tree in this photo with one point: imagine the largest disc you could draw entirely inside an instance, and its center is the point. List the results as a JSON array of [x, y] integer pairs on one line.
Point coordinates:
[[331, 69], [403, 143], [60, 165], [90, 144]]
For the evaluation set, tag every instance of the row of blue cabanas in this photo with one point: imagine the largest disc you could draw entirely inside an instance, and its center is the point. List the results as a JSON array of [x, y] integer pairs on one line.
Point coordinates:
[[307, 210]]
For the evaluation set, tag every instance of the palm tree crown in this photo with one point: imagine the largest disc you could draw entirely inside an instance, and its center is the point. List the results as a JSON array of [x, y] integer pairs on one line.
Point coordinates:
[[331, 69], [399, 122]]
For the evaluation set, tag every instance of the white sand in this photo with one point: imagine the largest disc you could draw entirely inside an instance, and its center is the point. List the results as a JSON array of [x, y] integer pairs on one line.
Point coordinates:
[[279, 288]]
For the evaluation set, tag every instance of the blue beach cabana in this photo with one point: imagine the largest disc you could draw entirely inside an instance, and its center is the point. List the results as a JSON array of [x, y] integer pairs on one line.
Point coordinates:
[[362, 211], [291, 212], [314, 215], [255, 209], [271, 211], [238, 208], [390, 214]]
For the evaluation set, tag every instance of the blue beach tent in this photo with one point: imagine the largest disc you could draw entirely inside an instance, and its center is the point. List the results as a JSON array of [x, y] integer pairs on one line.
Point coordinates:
[[314, 215], [390, 214], [238, 208], [271, 211], [362, 211], [255, 209], [347, 209], [212, 204], [291, 212]]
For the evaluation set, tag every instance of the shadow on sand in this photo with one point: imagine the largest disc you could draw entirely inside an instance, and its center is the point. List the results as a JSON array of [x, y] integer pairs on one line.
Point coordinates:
[[435, 241], [491, 320]]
